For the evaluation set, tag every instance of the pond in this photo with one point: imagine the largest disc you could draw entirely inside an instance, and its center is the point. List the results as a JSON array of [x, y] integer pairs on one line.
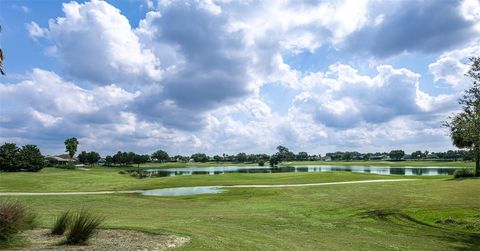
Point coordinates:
[[181, 191], [383, 170]]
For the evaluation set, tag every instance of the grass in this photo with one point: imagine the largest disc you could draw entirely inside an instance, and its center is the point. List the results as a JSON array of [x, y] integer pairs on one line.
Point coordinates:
[[98, 179], [298, 218], [431, 213], [14, 218], [61, 223], [83, 226]]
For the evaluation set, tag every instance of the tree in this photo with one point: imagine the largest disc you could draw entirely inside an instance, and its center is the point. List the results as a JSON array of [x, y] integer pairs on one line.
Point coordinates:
[[200, 157], [465, 126], [30, 158], [93, 158], [160, 156], [83, 157], [302, 156], [396, 154], [140, 159], [217, 158], [284, 154], [241, 157], [9, 155], [71, 146], [108, 160], [273, 160]]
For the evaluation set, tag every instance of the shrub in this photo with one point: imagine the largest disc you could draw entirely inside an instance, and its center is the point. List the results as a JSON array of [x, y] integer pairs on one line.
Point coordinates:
[[464, 173], [14, 217], [261, 162], [61, 223], [82, 227]]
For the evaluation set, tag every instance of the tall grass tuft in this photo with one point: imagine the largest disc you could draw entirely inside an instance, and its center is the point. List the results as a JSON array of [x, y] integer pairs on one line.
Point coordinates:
[[83, 226], [61, 223], [14, 217], [464, 173]]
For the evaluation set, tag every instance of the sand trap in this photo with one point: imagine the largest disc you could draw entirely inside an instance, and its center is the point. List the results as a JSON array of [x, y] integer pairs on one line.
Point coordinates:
[[40, 239]]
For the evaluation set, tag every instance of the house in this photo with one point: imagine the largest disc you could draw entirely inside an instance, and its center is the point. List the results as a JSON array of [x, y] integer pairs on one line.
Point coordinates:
[[62, 159]]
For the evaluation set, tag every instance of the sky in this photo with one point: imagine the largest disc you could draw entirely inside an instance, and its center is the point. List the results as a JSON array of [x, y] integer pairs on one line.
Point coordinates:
[[234, 76]]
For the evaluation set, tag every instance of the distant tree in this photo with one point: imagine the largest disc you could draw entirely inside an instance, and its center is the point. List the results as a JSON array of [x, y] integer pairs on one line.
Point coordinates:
[[283, 154], [217, 158], [9, 157], [347, 156], [261, 162], [140, 159], [464, 126], [273, 160], [93, 158], [108, 160], [200, 157], [180, 158], [302, 156], [417, 155], [71, 146], [396, 154], [30, 158], [241, 157], [160, 156], [83, 157]]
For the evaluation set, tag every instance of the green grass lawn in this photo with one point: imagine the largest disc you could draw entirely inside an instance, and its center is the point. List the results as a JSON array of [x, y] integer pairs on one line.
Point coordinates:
[[379, 216], [98, 179]]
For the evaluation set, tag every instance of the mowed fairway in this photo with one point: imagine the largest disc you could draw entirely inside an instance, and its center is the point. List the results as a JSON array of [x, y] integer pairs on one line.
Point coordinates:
[[369, 216]]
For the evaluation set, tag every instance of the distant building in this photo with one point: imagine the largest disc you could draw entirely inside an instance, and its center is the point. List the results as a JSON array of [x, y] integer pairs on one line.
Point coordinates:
[[62, 159]]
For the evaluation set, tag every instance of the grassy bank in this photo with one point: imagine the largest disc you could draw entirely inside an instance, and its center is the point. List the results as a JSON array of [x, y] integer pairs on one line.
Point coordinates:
[[382, 216]]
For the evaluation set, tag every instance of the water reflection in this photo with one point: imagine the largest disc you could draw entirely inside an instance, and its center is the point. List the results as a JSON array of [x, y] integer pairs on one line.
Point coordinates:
[[383, 170], [181, 191]]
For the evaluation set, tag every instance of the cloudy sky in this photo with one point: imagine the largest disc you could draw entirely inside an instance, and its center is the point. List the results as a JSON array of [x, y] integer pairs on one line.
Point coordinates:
[[229, 76]]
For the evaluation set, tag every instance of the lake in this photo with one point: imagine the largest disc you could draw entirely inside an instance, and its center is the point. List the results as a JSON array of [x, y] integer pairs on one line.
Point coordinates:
[[383, 170]]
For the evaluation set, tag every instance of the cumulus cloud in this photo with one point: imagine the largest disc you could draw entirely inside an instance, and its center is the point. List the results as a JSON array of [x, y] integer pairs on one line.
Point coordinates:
[[342, 98], [96, 43], [415, 26], [451, 67], [189, 77]]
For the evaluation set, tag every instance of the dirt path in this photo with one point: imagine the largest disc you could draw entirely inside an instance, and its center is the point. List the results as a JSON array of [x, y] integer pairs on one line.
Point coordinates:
[[233, 186]]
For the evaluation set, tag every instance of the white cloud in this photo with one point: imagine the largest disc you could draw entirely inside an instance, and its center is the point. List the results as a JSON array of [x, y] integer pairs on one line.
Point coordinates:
[[96, 43], [452, 66], [34, 31], [342, 98]]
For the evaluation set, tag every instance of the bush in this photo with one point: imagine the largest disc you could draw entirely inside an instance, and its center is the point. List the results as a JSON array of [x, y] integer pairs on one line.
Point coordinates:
[[464, 173], [14, 159], [14, 217], [261, 162], [83, 226], [61, 223]]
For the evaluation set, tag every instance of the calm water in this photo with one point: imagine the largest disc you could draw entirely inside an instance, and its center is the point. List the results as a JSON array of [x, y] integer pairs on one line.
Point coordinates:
[[180, 191], [384, 170]]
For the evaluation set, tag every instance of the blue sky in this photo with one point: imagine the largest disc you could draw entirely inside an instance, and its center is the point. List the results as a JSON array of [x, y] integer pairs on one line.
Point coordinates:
[[234, 76]]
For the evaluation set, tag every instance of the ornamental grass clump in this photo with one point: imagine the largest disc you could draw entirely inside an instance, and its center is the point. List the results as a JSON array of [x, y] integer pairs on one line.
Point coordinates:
[[61, 223], [82, 227], [14, 217]]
